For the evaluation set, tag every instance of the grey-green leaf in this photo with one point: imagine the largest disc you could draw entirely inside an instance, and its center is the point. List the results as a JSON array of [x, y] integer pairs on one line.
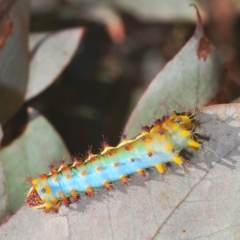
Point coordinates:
[[3, 196], [151, 10], [159, 10], [51, 53], [201, 203], [191, 79], [37, 147], [14, 58]]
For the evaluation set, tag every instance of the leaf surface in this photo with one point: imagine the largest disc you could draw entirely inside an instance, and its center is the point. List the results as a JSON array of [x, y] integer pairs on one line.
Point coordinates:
[[191, 79], [159, 10], [151, 10], [3, 196], [13, 57], [50, 55], [200, 203], [101, 13], [37, 147]]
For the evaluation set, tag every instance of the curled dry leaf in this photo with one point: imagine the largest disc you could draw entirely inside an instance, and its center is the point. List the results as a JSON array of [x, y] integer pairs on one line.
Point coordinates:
[[201, 202], [191, 79], [50, 55], [37, 147], [13, 57]]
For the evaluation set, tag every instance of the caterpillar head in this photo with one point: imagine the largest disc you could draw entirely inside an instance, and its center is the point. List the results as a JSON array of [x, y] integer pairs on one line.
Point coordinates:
[[184, 119]]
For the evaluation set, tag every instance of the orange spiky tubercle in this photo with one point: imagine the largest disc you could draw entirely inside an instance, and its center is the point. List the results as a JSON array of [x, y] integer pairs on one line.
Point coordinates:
[[153, 147]]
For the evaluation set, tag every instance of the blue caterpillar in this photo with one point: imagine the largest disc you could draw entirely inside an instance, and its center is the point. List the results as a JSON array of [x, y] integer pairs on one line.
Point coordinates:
[[153, 147]]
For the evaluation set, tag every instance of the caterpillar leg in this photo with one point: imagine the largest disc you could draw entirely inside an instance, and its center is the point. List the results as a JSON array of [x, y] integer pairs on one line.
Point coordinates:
[[107, 185], [141, 172], [47, 208], [180, 162], [75, 195], [124, 179], [89, 191], [161, 168], [194, 144]]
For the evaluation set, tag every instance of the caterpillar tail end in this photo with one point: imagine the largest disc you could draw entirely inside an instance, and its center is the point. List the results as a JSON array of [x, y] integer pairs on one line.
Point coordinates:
[[34, 200]]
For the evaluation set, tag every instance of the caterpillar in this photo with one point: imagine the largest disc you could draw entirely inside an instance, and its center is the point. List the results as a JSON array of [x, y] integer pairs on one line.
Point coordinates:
[[155, 146]]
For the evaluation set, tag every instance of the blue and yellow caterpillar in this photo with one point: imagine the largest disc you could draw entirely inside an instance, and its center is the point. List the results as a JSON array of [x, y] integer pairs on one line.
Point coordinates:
[[153, 147]]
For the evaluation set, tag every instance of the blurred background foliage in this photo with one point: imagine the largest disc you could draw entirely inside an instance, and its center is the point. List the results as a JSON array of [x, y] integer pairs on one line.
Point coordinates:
[[125, 45]]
